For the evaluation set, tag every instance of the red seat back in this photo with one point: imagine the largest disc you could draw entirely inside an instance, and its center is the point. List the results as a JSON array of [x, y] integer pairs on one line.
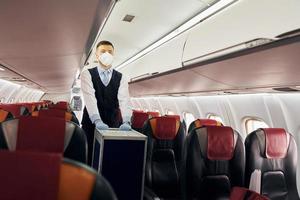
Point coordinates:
[[239, 193], [41, 134], [138, 119], [27, 175], [15, 109]]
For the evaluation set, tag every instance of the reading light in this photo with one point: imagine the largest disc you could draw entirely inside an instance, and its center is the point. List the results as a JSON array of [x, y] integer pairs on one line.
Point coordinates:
[[182, 28]]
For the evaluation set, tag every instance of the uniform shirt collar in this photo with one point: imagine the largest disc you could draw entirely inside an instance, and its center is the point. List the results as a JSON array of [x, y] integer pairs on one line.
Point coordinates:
[[101, 70]]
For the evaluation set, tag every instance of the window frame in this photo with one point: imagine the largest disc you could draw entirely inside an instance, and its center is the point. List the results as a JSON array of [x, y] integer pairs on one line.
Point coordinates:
[[209, 115], [251, 118]]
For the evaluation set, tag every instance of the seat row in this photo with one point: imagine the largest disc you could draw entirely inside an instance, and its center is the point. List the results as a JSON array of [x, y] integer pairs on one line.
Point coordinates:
[[212, 160], [51, 150], [43, 109], [59, 128]]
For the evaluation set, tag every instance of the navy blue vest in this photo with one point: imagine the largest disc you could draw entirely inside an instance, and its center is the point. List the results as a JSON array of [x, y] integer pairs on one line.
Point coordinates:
[[107, 99]]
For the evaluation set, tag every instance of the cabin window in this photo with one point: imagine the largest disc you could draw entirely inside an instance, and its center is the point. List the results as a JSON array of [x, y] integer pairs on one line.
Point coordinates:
[[252, 124], [2, 100], [188, 119], [215, 117]]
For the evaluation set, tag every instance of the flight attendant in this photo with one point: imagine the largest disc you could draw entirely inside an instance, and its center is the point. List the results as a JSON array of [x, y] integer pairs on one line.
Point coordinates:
[[105, 92]]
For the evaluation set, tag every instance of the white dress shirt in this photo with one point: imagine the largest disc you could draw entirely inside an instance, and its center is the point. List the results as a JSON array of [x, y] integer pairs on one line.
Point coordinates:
[[91, 101]]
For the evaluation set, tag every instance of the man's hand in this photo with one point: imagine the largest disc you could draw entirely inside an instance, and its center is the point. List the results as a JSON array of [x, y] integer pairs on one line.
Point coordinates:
[[125, 127], [100, 125]]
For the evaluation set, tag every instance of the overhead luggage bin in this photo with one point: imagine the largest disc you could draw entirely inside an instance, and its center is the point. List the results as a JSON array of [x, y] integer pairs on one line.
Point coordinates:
[[120, 157]]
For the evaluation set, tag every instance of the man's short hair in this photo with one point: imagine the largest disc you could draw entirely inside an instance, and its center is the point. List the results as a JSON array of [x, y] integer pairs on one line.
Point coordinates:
[[104, 42]]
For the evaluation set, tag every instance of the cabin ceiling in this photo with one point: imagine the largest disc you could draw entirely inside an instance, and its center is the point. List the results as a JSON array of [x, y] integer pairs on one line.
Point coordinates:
[[243, 21], [153, 19], [44, 41]]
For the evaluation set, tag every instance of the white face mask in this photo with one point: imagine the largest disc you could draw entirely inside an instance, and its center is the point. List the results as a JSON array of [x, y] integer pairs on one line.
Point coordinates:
[[106, 59]]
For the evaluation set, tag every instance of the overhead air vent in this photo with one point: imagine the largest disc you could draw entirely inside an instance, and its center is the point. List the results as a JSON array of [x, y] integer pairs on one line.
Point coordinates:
[[289, 34], [286, 89], [128, 18]]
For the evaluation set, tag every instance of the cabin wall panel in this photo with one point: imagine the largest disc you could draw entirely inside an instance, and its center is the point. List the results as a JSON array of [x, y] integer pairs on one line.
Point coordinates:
[[144, 104], [135, 104], [55, 97], [11, 93], [212, 106], [169, 104], [154, 104], [187, 104], [244, 106], [275, 110]]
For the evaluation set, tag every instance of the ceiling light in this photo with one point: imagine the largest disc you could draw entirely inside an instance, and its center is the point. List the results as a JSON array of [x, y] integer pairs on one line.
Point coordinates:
[[1, 69], [184, 27]]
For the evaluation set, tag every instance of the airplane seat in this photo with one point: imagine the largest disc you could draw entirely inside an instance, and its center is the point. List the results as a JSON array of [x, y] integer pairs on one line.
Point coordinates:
[[178, 117], [274, 152], [36, 176], [31, 106], [138, 120], [56, 113], [61, 105], [213, 163], [153, 114], [175, 116], [5, 115], [240, 193], [16, 109], [203, 122], [164, 153], [44, 135]]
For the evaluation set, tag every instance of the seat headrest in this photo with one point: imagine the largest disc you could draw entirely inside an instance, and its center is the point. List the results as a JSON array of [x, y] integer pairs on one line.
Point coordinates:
[[41, 134], [153, 114], [28, 175], [174, 116], [165, 128], [138, 119], [206, 122], [276, 143], [53, 113], [137, 111], [220, 142], [62, 105], [15, 109]]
